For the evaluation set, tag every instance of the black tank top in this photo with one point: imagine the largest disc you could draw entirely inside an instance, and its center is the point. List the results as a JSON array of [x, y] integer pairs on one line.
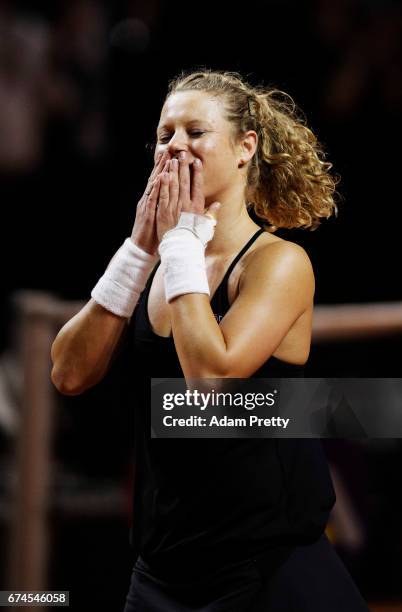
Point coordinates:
[[200, 504]]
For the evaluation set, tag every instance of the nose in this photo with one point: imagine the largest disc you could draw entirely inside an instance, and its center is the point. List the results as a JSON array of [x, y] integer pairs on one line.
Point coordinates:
[[177, 144]]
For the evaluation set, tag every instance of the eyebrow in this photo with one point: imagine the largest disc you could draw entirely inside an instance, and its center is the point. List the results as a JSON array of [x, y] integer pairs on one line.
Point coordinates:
[[160, 127]]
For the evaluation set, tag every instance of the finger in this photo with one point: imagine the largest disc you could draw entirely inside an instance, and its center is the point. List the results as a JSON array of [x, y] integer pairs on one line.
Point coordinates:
[[153, 177], [158, 158], [164, 191], [174, 182], [159, 164], [184, 185], [197, 187], [152, 199], [165, 168], [161, 159]]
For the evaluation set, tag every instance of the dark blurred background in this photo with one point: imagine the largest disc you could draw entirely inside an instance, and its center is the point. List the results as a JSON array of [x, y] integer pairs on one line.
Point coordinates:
[[81, 87]]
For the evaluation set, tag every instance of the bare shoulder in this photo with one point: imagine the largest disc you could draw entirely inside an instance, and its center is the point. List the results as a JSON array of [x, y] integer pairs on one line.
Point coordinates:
[[274, 250], [278, 261]]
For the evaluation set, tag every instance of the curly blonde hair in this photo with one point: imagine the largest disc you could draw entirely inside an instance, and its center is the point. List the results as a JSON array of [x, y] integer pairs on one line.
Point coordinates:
[[289, 183]]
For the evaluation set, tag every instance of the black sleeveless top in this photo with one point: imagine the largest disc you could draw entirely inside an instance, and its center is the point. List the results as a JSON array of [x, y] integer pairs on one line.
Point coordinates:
[[200, 504]]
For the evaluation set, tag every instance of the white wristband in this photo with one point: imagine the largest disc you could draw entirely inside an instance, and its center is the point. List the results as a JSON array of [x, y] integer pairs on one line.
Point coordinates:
[[120, 287], [182, 252]]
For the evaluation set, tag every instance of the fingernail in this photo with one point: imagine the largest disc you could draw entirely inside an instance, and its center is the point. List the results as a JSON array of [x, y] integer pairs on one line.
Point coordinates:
[[182, 155], [197, 162], [174, 163]]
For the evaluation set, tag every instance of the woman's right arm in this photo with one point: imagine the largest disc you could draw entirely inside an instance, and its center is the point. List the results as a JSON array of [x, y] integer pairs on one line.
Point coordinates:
[[85, 347]]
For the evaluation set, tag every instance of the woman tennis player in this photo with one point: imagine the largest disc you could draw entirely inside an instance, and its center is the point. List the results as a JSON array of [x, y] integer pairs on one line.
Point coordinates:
[[200, 290]]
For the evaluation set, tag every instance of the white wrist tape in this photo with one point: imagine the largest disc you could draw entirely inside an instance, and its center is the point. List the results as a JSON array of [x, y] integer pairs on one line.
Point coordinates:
[[182, 252], [120, 287]]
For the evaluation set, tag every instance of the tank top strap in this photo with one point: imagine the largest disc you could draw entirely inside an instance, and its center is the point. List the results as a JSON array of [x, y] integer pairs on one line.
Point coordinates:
[[219, 302], [240, 254], [228, 271]]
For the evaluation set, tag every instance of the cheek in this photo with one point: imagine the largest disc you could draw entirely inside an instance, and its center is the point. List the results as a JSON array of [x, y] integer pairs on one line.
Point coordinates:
[[211, 158], [213, 176], [208, 148], [217, 163], [216, 154]]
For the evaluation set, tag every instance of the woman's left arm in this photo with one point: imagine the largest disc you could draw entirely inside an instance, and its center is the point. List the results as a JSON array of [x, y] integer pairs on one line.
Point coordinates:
[[275, 289]]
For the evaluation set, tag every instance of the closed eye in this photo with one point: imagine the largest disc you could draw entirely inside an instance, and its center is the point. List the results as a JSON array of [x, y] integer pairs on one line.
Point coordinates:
[[195, 133]]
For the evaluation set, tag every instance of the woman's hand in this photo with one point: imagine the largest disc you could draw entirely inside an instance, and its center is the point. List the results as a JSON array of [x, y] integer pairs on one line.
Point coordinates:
[[144, 232], [180, 193]]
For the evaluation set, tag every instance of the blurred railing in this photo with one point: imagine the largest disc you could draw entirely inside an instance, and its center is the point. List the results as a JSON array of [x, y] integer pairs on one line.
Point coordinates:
[[40, 316]]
